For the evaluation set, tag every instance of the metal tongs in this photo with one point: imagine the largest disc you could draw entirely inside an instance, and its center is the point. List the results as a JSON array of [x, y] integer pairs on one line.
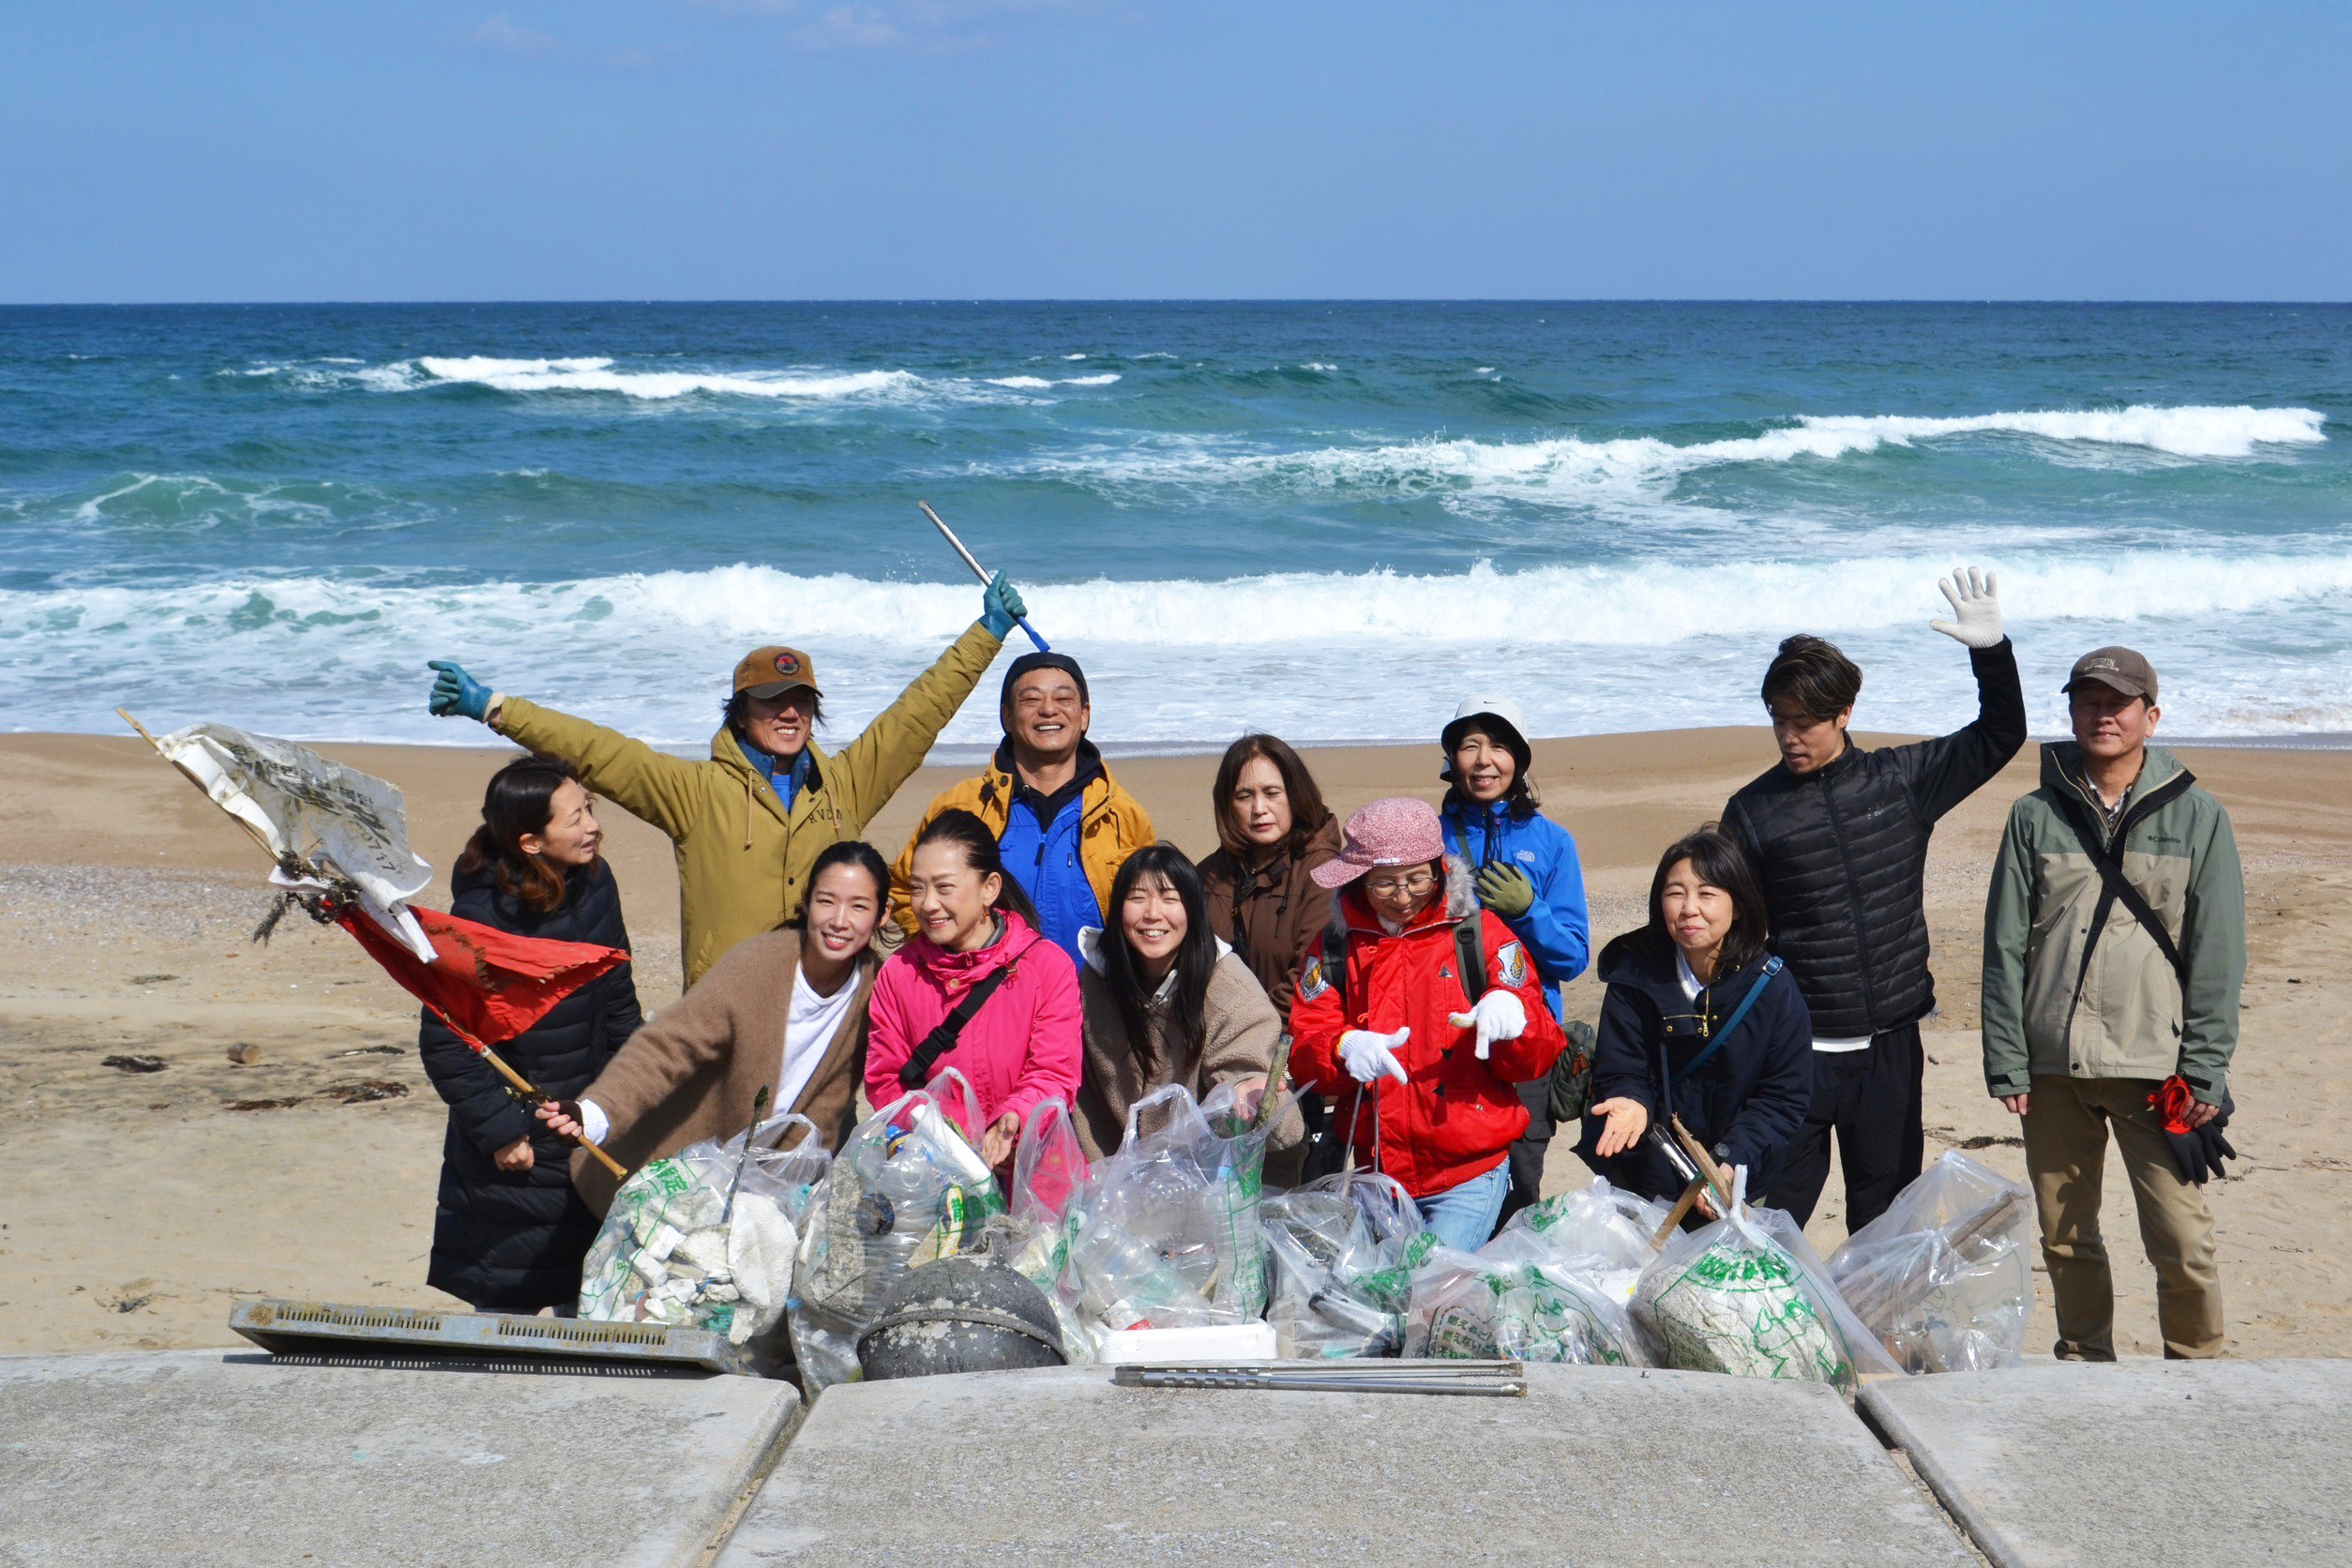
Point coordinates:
[[1492, 1379]]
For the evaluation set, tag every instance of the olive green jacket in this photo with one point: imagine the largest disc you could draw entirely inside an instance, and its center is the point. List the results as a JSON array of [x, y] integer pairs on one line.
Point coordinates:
[[2124, 1013], [743, 859]]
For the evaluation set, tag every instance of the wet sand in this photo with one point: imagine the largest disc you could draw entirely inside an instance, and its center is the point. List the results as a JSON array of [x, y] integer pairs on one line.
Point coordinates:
[[149, 1179]]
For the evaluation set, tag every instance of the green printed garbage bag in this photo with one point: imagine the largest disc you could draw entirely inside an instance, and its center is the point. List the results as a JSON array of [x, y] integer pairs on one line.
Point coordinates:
[[1471, 1306], [672, 1251], [1746, 1295], [906, 1189]]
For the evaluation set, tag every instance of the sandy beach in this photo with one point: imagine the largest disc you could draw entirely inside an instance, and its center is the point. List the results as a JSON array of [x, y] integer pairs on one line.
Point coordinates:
[[150, 1180]]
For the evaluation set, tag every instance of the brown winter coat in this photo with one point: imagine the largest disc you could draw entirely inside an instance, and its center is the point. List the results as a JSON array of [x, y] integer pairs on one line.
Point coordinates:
[[693, 1071], [1240, 1026], [1282, 911]]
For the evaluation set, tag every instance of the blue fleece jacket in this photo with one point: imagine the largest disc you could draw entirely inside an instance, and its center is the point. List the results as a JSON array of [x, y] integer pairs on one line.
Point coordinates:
[[1555, 930], [1040, 847]]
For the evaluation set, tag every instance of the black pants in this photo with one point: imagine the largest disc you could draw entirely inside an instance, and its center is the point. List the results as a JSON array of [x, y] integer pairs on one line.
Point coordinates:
[[1871, 1099], [1529, 1152]]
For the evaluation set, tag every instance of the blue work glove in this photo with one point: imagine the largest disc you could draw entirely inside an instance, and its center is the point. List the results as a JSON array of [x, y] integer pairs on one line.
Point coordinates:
[[456, 692], [1506, 890], [1001, 606]]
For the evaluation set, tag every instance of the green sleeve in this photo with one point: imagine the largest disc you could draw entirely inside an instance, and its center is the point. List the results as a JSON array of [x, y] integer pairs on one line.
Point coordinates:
[[642, 781], [870, 768], [2008, 930], [2213, 950]]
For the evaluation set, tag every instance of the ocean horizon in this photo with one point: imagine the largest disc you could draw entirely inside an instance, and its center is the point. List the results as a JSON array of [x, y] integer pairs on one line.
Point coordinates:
[[1330, 520]]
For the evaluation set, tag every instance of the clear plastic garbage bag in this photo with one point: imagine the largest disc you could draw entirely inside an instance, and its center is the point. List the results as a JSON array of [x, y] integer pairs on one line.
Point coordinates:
[[1945, 1277], [1185, 1185], [1597, 1221], [907, 1188], [671, 1251], [1033, 1238], [1340, 1280], [1748, 1296]]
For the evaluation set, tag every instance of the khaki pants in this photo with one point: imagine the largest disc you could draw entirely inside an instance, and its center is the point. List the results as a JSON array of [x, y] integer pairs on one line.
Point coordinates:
[[2065, 1130]]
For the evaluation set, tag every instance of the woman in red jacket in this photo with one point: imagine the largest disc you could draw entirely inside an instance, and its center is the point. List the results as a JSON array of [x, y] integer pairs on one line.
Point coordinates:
[[1420, 1074]]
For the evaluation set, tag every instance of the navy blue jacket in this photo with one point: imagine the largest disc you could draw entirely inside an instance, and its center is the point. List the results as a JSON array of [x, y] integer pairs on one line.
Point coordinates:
[[1746, 1103], [1554, 930], [514, 1241]]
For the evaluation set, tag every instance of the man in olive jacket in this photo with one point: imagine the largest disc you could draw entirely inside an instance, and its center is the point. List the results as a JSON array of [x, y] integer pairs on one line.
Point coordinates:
[[749, 822], [2089, 1008]]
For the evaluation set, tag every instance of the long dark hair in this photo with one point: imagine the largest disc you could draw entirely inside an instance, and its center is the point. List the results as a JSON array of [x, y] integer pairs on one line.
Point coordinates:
[[1720, 863], [1307, 810], [1195, 959], [846, 852], [961, 828], [520, 800]]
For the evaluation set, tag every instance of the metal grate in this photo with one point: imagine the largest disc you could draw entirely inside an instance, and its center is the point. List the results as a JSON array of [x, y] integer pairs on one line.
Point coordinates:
[[404, 1335]]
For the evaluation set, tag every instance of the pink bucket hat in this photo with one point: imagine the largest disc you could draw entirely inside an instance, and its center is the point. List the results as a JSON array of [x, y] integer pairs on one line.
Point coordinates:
[[1399, 830]]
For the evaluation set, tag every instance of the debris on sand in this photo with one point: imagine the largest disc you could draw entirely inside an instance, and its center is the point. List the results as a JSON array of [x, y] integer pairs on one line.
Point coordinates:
[[134, 1063], [244, 1053], [361, 1092]]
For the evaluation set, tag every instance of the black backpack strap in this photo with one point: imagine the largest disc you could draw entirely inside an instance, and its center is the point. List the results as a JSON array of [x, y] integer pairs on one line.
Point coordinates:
[[1470, 950], [2115, 887], [939, 1040]]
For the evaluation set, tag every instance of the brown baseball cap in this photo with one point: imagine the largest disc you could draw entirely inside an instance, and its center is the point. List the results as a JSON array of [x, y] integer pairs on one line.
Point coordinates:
[[2120, 667], [773, 671]]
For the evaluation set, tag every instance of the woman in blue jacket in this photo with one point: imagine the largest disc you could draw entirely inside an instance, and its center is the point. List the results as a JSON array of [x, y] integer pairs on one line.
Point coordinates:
[[1700, 1022], [1527, 874]]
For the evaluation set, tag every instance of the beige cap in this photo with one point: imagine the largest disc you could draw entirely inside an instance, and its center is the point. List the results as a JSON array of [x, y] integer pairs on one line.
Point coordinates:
[[773, 671]]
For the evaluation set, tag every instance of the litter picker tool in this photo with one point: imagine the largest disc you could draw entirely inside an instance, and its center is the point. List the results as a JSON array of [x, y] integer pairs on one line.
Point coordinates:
[[978, 569], [338, 839], [759, 1110], [1492, 1379]]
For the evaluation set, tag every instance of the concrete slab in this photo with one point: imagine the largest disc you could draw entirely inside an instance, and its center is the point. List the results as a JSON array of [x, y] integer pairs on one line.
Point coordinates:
[[2136, 1462], [202, 1457], [1597, 1464]]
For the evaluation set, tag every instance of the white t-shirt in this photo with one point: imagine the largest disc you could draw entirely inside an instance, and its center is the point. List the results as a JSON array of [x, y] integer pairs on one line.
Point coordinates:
[[808, 1029]]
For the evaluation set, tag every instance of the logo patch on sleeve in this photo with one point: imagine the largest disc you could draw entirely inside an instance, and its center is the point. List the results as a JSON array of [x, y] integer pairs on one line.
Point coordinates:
[[1512, 965], [1312, 981]]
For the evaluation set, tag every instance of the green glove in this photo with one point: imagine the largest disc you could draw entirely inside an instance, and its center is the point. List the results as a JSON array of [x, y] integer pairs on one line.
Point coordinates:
[[1506, 890], [1001, 606]]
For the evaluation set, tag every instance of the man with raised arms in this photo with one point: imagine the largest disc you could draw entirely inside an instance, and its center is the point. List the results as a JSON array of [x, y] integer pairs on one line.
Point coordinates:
[[1838, 835], [750, 821]]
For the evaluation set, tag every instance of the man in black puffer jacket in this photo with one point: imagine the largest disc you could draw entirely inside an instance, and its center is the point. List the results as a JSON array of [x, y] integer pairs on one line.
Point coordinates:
[[510, 1236], [1840, 836]]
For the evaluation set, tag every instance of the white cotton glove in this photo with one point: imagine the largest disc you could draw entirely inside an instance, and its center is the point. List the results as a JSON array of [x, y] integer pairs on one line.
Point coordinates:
[[1976, 609], [1367, 1056], [594, 1122], [1495, 1015]]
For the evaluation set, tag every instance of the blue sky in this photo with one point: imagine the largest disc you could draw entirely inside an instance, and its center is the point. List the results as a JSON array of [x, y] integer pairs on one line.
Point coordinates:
[[274, 150]]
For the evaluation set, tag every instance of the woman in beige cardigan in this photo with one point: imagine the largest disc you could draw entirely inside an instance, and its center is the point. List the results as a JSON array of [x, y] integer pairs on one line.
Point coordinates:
[[784, 1011], [1168, 1002]]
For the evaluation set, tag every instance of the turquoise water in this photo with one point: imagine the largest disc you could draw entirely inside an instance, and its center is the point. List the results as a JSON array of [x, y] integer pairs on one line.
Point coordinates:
[[1329, 520]]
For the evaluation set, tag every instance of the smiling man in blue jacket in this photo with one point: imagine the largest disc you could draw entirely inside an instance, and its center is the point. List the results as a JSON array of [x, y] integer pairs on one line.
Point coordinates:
[[1527, 873]]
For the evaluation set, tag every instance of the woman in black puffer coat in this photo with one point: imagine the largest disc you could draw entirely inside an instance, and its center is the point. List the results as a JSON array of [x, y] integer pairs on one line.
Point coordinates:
[[509, 1234]]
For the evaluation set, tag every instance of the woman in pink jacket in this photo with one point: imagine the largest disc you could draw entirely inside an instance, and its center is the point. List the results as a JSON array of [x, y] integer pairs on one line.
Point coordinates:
[[976, 989]]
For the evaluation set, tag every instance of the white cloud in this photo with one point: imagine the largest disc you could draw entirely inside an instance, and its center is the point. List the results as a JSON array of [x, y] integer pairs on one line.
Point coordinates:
[[497, 35]]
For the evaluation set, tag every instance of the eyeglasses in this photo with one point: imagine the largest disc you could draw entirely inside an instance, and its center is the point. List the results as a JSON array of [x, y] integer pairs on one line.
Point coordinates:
[[1389, 887]]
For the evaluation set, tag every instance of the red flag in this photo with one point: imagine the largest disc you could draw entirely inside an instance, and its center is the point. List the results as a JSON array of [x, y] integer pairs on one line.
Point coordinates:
[[487, 984]]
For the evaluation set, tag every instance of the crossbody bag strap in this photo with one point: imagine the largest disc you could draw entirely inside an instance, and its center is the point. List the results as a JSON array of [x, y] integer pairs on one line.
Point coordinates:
[[1674, 1080], [939, 1040], [2115, 887]]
